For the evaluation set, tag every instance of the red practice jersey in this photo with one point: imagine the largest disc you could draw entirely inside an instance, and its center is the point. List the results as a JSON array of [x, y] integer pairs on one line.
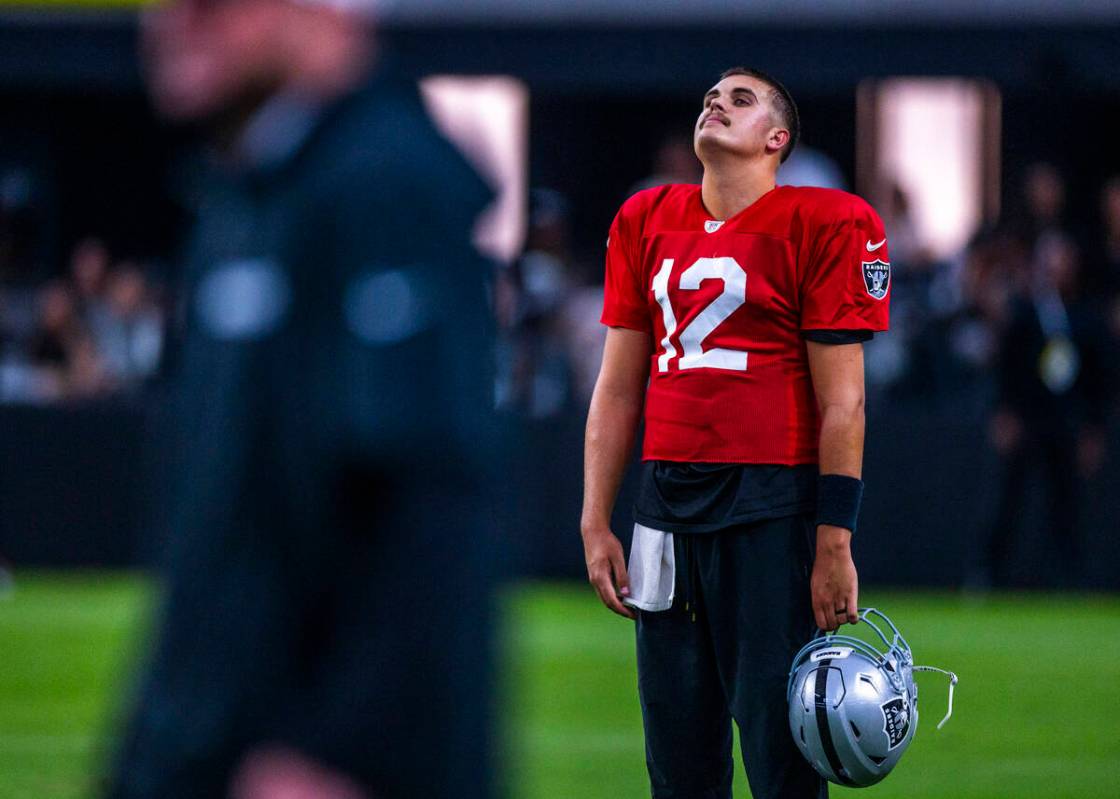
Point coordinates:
[[727, 305]]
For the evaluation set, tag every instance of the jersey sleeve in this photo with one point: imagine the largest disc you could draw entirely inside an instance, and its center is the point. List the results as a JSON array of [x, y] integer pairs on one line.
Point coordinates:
[[624, 292], [847, 272]]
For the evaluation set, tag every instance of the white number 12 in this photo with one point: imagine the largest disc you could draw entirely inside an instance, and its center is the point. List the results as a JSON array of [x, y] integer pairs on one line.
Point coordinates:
[[692, 335]]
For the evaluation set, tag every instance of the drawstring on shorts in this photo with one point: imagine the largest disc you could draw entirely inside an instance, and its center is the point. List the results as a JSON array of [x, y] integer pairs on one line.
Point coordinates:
[[691, 576]]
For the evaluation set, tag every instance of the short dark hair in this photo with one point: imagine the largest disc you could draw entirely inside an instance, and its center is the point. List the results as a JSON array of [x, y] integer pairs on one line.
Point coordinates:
[[780, 99]]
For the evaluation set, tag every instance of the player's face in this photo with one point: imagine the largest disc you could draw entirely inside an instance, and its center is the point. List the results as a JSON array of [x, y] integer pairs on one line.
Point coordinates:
[[737, 117]]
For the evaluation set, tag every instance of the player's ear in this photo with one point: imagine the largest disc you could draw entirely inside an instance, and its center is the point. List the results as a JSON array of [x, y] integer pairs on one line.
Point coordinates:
[[778, 139]]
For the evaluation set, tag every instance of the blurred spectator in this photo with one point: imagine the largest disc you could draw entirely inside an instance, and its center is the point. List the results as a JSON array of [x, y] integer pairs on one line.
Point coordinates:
[[89, 268], [808, 166], [909, 253], [995, 270], [64, 361], [1110, 261], [128, 327], [673, 162], [584, 335], [1054, 385], [1108, 266], [534, 378], [893, 358], [1042, 205], [53, 346]]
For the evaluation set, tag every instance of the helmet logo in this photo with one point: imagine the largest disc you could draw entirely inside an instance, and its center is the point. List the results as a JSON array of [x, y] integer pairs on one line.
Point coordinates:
[[896, 720], [833, 653]]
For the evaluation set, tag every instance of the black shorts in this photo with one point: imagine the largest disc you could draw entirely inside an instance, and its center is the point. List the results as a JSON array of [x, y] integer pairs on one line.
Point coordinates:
[[740, 613]]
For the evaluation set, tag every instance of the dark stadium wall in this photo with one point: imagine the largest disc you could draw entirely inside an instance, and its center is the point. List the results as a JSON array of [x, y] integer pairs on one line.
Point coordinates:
[[96, 52], [75, 490], [72, 485]]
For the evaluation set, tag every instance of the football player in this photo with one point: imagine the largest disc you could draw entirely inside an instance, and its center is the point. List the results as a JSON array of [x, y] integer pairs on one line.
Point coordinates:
[[737, 310]]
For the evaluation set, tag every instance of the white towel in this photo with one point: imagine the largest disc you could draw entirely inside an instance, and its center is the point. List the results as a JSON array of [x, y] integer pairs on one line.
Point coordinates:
[[652, 569]]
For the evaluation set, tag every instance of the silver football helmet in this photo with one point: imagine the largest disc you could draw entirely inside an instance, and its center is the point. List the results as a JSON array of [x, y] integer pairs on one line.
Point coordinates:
[[853, 709]]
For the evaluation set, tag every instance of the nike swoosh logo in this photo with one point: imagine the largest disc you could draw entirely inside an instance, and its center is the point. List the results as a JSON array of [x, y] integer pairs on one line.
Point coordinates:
[[873, 247]]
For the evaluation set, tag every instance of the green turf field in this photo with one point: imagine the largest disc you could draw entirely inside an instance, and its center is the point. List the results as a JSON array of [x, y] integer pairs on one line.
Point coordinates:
[[1038, 707]]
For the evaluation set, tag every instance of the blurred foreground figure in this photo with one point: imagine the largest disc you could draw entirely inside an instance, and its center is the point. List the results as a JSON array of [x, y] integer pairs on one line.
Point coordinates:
[[324, 629]]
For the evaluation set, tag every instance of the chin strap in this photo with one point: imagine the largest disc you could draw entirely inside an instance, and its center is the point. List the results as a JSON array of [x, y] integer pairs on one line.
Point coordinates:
[[952, 685]]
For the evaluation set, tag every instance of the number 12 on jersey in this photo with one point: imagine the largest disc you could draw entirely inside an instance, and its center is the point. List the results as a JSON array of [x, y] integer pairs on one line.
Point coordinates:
[[693, 334]]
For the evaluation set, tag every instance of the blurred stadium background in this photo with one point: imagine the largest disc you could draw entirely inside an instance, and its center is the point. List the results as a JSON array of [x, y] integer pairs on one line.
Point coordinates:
[[985, 135]]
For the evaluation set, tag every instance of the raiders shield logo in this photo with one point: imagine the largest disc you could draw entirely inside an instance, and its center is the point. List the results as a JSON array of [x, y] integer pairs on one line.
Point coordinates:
[[877, 278], [896, 721]]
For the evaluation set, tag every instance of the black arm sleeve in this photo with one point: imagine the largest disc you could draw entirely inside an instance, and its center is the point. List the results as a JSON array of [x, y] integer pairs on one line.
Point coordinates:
[[838, 336]]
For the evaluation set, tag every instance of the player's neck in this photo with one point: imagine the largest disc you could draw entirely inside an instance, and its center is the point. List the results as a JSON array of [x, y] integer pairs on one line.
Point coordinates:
[[727, 190]]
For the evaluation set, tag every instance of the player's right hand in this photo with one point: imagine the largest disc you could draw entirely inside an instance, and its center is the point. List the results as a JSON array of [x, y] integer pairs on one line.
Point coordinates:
[[606, 569]]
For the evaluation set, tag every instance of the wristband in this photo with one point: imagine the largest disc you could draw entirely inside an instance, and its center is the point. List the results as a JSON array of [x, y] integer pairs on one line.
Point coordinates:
[[838, 499]]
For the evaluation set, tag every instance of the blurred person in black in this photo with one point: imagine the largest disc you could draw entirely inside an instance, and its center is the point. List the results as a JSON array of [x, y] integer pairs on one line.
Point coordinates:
[[129, 333], [1054, 381], [52, 345], [674, 161], [1043, 208], [1108, 264], [529, 298], [1105, 266], [325, 619], [994, 271], [65, 364], [89, 269]]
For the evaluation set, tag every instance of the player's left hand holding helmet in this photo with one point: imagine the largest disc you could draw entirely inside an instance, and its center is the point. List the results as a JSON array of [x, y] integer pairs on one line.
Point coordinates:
[[853, 709]]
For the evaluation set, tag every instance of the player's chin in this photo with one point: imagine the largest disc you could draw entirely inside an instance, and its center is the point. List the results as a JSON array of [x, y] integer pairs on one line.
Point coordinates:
[[709, 136], [720, 140]]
